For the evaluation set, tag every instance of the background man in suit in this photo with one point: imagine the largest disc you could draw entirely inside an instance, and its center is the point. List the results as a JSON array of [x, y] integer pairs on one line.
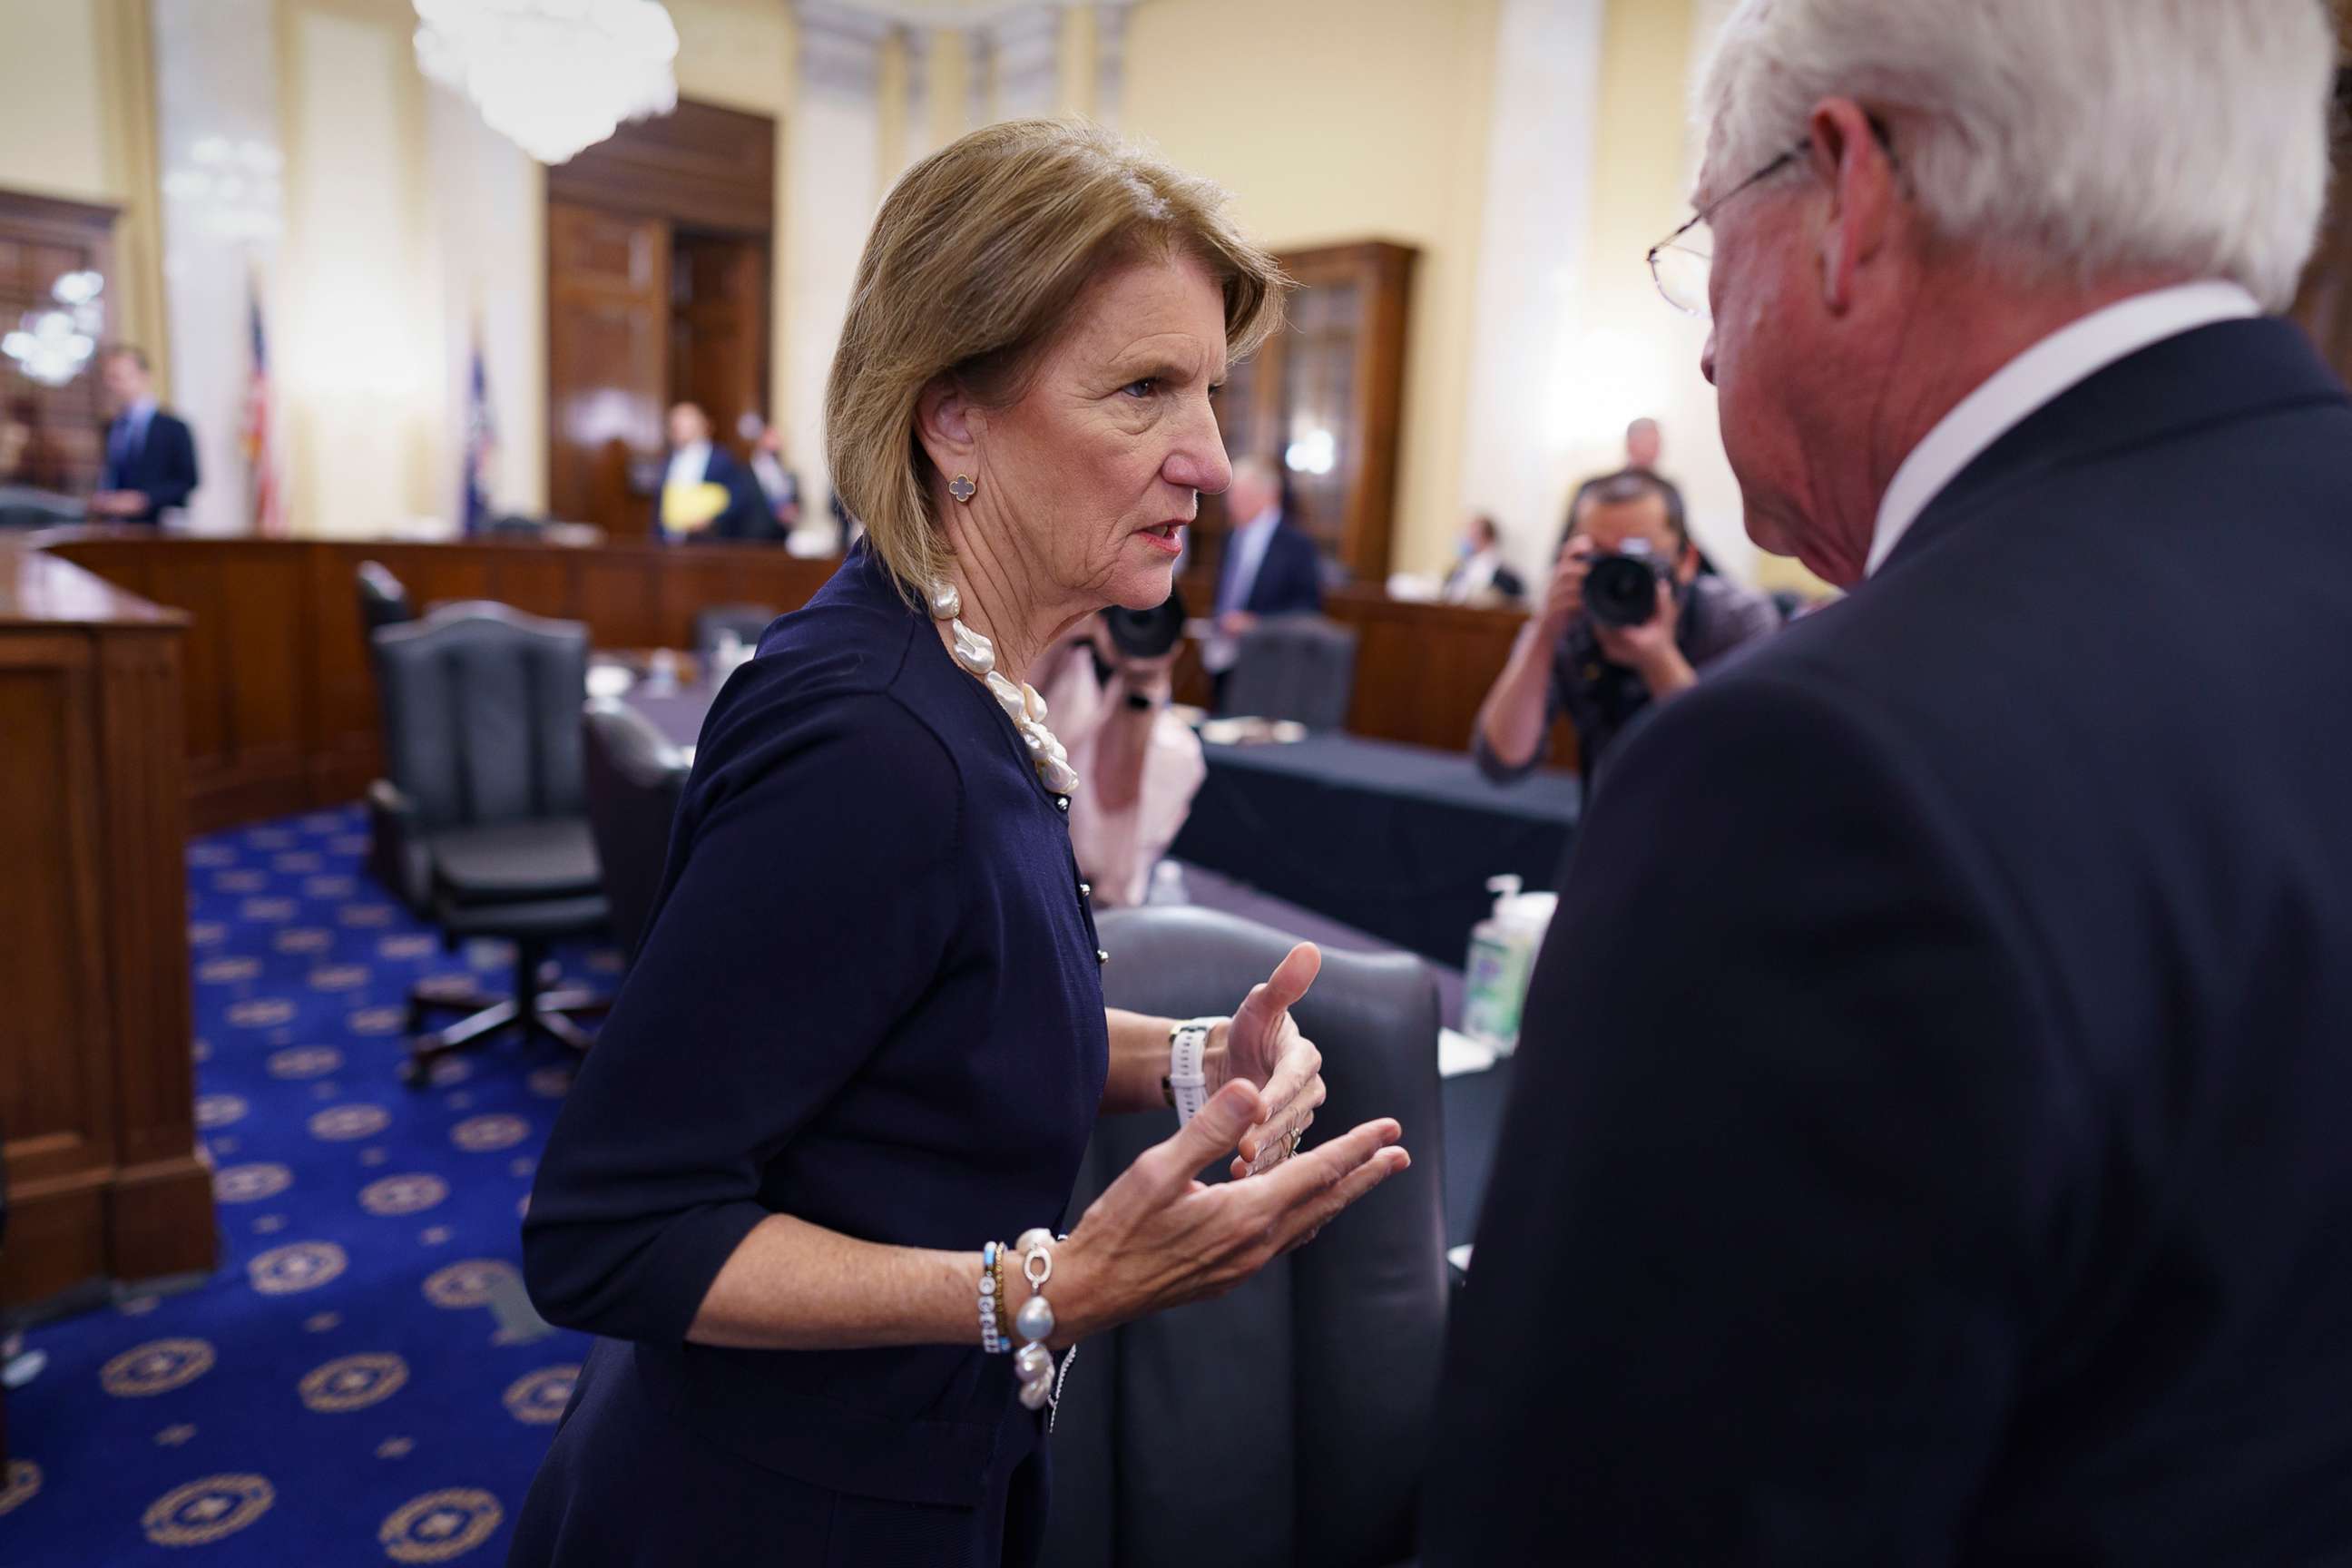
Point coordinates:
[[780, 487], [681, 508], [151, 458], [1644, 444], [1270, 566], [1481, 575], [1927, 1142]]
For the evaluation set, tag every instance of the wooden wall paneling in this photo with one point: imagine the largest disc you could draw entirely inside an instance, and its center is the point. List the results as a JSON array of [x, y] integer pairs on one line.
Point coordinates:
[[690, 578], [264, 634], [700, 167], [620, 599], [607, 365], [56, 1078], [162, 1217], [346, 752], [532, 579]]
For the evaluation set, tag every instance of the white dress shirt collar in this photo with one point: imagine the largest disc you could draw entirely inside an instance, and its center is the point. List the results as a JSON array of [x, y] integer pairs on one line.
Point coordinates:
[[2067, 357]]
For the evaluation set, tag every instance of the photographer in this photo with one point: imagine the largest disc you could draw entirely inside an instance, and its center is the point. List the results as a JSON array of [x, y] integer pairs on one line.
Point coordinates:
[[1108, 687], [1627, 620]]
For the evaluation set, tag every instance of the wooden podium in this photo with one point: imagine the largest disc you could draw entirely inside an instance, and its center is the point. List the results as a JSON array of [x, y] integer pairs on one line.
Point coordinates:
[[97, 1086]]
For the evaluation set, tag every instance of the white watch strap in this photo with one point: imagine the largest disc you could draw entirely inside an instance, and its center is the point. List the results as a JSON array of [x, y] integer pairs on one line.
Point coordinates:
[[1188, 1048]]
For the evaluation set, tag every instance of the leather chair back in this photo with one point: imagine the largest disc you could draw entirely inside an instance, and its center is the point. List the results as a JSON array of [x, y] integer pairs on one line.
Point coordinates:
[[746, 621], [481, 714], [634, 780], [1295, 667], [1282, 1426], [383, 600]]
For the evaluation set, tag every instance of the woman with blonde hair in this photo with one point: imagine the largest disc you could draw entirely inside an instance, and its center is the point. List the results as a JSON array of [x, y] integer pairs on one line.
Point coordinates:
[[805, 1187]]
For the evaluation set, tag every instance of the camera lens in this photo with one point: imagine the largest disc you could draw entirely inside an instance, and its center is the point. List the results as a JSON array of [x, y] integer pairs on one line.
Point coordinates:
[[1146, 634], [1621, 590]]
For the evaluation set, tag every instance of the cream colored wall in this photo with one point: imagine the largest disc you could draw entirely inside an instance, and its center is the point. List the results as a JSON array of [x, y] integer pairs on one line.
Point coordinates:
[[52, 109], [1340, 119]]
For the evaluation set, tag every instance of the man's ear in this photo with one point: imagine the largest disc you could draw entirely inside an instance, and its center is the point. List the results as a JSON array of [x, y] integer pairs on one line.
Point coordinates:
[[1850, 161], [1686, 563], [946, 421]]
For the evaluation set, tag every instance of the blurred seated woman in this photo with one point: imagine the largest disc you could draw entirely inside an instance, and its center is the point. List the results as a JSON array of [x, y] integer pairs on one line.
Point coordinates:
[[806, 1184], [1139, 765]]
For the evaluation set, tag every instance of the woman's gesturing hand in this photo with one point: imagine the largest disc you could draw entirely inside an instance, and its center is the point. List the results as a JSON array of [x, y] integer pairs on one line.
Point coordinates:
[[1158, 1237], [1264, 1047]]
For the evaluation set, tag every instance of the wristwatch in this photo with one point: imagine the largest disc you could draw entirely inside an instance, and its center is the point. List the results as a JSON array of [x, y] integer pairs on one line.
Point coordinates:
[[1188, 1048]]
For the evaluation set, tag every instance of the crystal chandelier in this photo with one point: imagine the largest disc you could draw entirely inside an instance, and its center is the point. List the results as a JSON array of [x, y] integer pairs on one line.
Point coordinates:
[[51, 344], [552, 75]]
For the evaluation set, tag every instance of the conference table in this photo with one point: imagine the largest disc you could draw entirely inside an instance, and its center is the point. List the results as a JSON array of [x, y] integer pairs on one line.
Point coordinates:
[[1474, 1087], [1395, 839]]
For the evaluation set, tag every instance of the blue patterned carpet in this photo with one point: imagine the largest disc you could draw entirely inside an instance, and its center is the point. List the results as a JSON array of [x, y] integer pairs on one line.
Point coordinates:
[[363, 1380]]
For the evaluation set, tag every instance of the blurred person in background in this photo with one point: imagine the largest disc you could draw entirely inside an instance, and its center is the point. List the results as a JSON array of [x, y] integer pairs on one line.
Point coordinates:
[[780, 487], [1927, 1137], [151, 456], [705, 492], [1644, 444], [1270, 566], [1141, 764], [1604, 676], [1480, 576]]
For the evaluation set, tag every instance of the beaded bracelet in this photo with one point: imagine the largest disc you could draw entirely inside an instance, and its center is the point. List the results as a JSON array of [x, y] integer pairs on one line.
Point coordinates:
[[991, 1341]]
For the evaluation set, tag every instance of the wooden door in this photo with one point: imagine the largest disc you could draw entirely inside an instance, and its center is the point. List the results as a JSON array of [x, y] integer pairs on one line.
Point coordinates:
[[607, 361], [718, 330]]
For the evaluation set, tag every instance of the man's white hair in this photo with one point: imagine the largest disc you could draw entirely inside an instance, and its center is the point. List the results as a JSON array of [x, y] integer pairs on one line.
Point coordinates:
[[2094, 138]]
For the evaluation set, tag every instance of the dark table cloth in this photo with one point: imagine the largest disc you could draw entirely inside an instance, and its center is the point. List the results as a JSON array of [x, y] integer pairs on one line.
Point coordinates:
[[1395, 840]]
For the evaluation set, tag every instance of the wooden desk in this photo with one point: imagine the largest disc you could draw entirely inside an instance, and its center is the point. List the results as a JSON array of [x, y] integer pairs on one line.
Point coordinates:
[[280, 709], [279, 706], [97, 1089]]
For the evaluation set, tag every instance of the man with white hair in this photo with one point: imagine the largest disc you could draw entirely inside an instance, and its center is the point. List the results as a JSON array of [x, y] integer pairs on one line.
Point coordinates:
[[1928, 1137]]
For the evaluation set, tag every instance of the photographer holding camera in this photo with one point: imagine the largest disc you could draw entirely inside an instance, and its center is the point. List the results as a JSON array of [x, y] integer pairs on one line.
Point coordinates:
[[1628, 620], [1108, 686]]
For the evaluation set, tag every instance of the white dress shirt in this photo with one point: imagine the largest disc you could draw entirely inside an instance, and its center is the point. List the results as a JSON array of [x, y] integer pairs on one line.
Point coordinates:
[[2067, 357], [687, 465]]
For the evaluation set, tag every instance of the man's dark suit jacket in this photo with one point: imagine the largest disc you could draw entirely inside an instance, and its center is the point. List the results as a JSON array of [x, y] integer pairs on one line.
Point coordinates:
[[1290, 576], [1932, 1133], [160, 465], [747, 517]]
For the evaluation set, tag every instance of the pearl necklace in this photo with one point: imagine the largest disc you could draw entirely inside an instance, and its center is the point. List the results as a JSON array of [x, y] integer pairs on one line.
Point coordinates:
[[1021, 702]]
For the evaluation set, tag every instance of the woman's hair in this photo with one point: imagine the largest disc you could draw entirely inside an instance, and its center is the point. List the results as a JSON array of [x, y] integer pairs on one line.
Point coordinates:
[[2090, 137], [976, 260]]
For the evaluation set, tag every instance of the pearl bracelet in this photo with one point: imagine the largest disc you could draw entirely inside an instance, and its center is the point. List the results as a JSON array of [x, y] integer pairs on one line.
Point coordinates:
[[1034, 1323]]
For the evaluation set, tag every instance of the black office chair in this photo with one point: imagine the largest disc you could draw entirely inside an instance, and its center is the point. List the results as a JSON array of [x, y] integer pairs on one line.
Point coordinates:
[[1295, 1409], [23, 507], [1299, 666], [636, 778], [485, 802], [713, 622], [383, 600]]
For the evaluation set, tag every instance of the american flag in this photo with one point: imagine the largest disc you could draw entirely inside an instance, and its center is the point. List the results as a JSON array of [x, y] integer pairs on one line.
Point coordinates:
[[261, 476], [481, 442]]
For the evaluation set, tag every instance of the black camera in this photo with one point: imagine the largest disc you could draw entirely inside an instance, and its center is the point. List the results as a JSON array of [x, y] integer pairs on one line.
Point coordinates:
[[1146, 634], [1621, 590]]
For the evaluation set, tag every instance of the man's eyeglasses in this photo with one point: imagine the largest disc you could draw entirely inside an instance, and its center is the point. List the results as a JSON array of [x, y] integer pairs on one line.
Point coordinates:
[[1681, 261]]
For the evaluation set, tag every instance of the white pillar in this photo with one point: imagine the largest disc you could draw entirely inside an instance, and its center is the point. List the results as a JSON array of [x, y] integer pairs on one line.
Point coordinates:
[[1110, 58], [1025, 45], [221, 165], [835, 149], [916, 44], [1523, 378]]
